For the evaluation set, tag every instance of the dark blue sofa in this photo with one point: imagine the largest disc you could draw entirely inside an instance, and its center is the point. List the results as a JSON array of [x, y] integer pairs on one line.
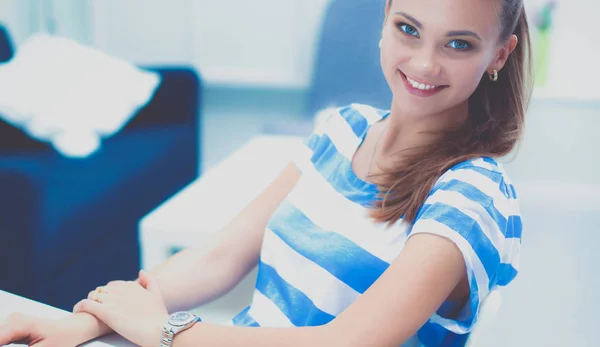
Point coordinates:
[[69, 225]]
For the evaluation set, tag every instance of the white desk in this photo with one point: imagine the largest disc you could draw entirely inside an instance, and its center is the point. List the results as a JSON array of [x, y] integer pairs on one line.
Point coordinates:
[[10, 303], [209, 203]]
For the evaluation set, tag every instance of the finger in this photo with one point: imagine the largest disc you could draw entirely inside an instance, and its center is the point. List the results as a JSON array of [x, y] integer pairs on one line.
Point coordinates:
[[143, 279], [7, 336], [11, 332], [94, 308], [77, 307], [91, 295], [115, 283], [149, 282], [46, 343], [99, 297]]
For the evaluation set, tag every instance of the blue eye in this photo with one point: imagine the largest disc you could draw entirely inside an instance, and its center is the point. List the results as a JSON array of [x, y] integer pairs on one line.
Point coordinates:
[[460, 45], [409, 29]]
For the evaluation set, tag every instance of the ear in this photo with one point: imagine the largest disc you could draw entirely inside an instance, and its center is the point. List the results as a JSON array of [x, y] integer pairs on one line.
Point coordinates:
[[504, 52]]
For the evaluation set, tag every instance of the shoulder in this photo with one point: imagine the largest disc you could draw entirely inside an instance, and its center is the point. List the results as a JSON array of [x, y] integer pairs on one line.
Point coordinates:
[[356, 116], [475, 204], [481, 190], [342, 128], [483, 174]]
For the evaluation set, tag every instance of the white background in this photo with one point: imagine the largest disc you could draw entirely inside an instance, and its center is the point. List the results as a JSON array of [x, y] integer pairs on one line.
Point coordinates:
[[259, 42], [265, 42]]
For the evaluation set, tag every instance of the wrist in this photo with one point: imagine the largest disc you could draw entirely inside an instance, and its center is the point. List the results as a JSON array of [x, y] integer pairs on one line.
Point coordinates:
[[154, 337], [176, 324], [85, 327]]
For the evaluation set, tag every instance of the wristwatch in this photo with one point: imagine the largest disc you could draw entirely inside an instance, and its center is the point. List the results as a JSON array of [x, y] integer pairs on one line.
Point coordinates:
[[176, 323]]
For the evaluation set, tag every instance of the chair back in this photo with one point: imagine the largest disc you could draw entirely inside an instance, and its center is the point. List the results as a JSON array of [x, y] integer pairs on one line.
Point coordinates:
[[347, 66]]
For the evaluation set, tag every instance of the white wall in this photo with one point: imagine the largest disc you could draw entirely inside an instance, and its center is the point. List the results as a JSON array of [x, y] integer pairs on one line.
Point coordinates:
[[16, 15], [69, 18], [264, 41], [62, 17], [259, 42], [144, 31], [574, 51], [271, 42]]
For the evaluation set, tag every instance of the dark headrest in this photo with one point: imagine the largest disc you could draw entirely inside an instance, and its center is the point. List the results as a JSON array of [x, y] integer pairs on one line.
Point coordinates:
[[347, 65], [6, 47]]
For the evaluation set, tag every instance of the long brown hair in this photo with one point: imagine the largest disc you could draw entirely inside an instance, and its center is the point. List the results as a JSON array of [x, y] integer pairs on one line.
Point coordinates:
[[493, 128]]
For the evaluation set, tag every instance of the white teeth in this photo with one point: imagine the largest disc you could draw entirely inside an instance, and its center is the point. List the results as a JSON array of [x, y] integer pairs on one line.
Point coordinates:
[[418, 85]]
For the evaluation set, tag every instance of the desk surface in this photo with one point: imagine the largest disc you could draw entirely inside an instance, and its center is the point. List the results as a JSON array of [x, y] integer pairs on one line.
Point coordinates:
[[10, 303]]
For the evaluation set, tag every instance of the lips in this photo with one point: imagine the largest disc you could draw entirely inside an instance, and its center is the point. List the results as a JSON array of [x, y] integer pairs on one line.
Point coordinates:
[[419, 88]]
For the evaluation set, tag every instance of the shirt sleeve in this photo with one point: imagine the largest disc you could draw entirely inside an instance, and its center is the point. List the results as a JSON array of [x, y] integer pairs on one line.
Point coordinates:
[[468, 206], [305, 154]]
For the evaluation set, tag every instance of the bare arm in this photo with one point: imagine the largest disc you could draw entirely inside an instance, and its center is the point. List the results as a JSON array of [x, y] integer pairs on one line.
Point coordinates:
[[191, 278], [387, 314]]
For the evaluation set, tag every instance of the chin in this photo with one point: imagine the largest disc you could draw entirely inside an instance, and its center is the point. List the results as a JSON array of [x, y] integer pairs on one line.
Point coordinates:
[[418, 108]]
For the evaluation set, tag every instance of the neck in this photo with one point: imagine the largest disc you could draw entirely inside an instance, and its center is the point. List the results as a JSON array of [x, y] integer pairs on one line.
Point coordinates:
[[406, 131]]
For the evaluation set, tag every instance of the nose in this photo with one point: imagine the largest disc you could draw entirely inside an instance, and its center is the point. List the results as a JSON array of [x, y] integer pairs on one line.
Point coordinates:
[[425, 62]]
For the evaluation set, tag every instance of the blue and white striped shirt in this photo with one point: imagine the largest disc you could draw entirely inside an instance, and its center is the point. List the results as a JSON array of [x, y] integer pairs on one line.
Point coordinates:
[[321, 251]]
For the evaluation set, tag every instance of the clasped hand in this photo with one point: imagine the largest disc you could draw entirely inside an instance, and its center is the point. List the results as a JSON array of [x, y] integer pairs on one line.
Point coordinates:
[[134, 310]]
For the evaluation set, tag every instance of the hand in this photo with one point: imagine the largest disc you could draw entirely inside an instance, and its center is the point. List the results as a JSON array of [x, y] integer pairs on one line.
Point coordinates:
[[37, 332], [135, 311]]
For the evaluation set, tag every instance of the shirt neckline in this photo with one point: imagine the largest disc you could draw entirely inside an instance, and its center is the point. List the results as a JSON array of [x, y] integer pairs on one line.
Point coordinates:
[[360, 185]]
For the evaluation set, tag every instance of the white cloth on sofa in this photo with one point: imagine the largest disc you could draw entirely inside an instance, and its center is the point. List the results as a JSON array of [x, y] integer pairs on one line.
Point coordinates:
[[71, 95]]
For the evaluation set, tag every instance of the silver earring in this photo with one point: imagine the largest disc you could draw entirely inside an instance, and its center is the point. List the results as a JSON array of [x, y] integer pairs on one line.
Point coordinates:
[[380, 43], [494, 76]]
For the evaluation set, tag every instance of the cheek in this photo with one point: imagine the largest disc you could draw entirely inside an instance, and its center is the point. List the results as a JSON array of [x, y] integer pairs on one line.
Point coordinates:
[[465, 75], [386, 59], [392, 56]]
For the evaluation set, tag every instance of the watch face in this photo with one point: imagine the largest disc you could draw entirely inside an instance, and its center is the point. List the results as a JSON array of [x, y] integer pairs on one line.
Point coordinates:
[[181, 318]]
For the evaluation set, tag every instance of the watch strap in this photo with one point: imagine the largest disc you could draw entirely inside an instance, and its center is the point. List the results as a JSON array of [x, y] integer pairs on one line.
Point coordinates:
[[166, 338]]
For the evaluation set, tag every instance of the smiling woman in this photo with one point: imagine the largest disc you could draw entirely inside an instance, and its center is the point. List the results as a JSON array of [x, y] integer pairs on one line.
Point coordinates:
[[446, 67], [390, 228]]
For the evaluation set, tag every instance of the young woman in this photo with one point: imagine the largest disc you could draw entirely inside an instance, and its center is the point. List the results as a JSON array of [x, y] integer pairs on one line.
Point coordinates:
[[391, 229]]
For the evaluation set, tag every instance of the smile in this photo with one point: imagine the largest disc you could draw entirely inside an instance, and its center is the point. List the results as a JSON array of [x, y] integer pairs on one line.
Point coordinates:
[[419, 88]]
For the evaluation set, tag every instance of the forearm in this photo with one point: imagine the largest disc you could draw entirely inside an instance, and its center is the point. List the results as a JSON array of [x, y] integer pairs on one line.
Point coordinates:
[[204, 334], [198, 275], [187, 280], [86, 327], [194, 277], [190, 278]]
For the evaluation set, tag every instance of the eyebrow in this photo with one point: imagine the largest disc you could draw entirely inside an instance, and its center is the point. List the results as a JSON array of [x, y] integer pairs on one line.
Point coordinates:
[[451, 33], [464, 33], [411, 18]]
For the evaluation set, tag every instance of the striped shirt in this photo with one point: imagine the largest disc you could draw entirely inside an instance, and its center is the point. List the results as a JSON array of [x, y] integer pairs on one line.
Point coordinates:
[[321, 250]]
